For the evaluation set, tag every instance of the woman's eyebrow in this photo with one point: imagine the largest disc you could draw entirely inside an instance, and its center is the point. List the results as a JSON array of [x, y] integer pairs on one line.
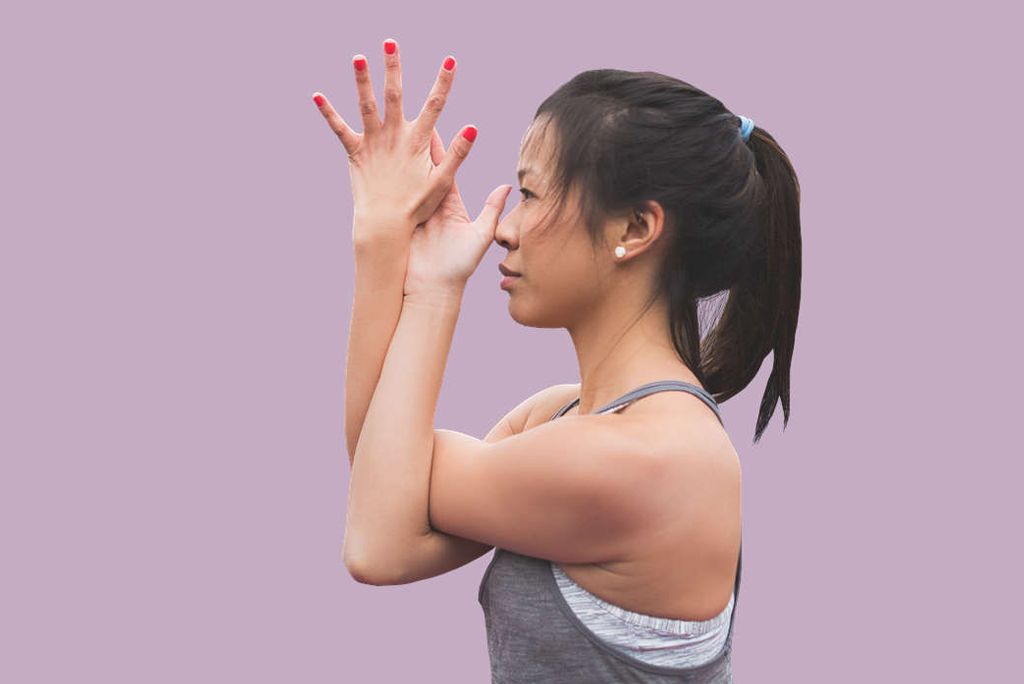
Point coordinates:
[[523, 172]]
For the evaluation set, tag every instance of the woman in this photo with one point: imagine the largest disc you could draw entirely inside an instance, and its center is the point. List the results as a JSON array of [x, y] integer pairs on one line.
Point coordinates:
[[617, 527]]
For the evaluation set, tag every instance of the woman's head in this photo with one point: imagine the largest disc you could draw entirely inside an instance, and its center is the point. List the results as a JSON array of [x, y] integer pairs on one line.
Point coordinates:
[[564, 277], [717, 213]]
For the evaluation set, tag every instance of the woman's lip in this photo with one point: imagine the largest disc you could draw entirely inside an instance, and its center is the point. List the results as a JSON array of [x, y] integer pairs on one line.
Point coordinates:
[[507, 280]]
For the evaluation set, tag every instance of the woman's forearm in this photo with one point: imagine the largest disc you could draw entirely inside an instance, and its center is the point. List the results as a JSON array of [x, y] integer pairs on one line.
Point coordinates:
[[388, 500], [376, 306]]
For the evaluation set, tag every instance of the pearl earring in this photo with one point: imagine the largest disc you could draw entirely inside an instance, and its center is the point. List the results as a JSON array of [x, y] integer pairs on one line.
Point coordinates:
[[620, 251]]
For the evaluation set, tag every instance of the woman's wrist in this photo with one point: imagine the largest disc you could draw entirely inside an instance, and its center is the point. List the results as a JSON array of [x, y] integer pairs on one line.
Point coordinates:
[[381, 260], [373, 231]]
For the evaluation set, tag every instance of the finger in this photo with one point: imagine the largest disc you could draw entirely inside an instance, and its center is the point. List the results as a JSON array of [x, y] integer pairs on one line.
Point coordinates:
[[349, 138], [392, 84], [457, 153], [436, 147], [489, 215], [367, 102], [436, 99]]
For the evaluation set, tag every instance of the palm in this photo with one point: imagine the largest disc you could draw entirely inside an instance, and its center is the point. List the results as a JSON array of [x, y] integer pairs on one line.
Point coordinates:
[[447, 243]]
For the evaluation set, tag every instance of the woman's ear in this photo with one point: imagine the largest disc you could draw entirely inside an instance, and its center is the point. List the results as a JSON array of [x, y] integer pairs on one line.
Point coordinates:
[[643, 228]]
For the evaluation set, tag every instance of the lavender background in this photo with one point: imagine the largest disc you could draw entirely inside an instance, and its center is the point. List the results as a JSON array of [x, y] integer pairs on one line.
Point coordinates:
[[175, 280]]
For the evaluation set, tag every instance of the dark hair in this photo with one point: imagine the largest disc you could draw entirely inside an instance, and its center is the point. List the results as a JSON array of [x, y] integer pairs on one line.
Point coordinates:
[[732, 212]]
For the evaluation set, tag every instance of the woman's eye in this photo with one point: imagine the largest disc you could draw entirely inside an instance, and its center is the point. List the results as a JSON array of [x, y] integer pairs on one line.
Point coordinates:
[[526, 192]]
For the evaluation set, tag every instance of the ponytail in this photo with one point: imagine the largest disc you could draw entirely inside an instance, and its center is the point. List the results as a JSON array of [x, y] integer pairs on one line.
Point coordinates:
[[761, 313]]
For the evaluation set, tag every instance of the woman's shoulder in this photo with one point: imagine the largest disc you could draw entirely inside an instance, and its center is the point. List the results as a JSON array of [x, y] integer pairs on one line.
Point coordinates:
[[673, 423], [545, 403]]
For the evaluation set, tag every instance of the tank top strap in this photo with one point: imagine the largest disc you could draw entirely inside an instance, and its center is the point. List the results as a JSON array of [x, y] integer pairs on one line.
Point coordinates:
[[650, 388], [565, 408]]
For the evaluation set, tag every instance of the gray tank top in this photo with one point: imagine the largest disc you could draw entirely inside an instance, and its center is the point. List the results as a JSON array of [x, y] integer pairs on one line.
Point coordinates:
[[534, 635]]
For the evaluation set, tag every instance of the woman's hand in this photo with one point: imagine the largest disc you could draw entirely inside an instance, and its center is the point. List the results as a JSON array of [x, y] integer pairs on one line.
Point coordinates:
[[396, 184], [447, 248]]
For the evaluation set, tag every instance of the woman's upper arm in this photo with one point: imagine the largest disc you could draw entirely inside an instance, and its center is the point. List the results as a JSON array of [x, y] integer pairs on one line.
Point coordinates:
[[442, 552], [563, 490]]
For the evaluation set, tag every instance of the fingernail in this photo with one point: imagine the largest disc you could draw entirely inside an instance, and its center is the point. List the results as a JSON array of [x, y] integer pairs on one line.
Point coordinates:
[[360, 63], [390, 46], [449, 62], [470, 133], [319, 99]]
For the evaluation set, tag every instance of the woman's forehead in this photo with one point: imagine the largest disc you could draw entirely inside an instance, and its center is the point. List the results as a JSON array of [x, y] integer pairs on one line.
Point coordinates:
[[535, 138], [534, 153], [527, 148]]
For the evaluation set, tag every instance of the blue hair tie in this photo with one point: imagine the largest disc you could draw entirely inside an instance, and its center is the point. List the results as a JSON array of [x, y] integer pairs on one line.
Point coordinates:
[[746, 125]]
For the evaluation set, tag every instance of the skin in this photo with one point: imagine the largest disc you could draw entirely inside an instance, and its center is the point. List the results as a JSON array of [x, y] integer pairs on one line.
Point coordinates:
[[597, 297], [423, 500], [567, 282]]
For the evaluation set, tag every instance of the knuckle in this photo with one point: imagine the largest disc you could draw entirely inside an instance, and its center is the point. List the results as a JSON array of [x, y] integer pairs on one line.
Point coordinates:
[[435, 103], [367, 107], [392, 96]]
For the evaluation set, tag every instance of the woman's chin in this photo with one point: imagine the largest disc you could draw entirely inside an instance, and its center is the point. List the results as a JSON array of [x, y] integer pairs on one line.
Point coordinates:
[[516, 311], [525, 316]]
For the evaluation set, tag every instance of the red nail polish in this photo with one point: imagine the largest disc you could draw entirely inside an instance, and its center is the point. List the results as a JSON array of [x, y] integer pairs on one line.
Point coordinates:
[[319, 100], [360, 63], [389, 47], [470, 133], [449, 63]]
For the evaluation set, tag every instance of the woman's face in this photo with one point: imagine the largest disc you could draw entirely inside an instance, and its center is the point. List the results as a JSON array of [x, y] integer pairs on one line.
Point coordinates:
[[561, 278]]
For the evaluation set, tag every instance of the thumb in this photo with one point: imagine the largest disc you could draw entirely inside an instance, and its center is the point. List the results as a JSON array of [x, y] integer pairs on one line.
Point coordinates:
[[488, 218]]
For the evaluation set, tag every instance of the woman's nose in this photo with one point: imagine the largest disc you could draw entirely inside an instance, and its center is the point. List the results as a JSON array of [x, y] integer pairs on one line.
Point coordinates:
[[505, 233]]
